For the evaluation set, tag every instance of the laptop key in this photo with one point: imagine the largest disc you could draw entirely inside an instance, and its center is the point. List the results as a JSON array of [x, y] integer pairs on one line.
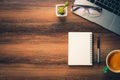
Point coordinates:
[[116, 12], [119, 14], [102, 1], [113, 1], [109, 5], [109, 0], [113, 6], [116, 7], [91, 1], [106, 3]]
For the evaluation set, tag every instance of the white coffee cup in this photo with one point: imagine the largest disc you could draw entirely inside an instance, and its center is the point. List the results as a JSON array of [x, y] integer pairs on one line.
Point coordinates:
[[113, 61]]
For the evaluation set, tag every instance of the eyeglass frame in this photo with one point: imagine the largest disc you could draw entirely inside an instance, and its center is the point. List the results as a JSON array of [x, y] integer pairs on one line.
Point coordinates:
[[99, 9]]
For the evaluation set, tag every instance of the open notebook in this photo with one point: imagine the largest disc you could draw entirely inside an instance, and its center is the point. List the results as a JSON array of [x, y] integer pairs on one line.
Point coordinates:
[[80, 48]]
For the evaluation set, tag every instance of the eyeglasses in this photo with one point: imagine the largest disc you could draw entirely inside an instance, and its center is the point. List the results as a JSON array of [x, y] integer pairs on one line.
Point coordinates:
[[89, 10]]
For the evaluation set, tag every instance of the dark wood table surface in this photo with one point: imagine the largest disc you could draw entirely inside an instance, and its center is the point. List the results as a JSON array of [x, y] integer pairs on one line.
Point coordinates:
[[34, 43]]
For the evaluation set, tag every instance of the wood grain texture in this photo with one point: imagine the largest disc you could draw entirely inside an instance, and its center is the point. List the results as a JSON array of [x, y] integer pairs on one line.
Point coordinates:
[[34, 43]]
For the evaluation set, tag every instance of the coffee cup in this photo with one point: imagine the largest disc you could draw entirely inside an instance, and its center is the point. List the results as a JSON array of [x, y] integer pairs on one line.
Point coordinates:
[[113, 61]]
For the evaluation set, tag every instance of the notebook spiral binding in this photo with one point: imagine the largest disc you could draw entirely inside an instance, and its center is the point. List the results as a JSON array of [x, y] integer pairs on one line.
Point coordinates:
[[91, 48]]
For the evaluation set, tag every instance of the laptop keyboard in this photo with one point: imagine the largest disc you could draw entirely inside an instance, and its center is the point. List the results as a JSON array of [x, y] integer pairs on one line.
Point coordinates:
[[110, 5]]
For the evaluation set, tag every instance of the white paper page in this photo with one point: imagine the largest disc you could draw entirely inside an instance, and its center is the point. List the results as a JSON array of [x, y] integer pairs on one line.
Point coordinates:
[[80, 48]]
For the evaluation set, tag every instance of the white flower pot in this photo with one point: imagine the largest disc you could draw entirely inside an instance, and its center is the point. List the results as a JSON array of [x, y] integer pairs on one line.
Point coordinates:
[[65, 9]]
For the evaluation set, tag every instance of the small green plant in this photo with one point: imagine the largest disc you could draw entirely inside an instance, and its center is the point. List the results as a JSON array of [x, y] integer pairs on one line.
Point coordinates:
[[61, 9]]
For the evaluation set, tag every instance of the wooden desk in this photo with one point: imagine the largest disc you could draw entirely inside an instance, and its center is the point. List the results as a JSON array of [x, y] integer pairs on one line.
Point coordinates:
[[34, 43]]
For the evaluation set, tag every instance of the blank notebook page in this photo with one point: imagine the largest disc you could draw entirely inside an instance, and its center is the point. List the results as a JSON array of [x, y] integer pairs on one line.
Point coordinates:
[[80, 48]]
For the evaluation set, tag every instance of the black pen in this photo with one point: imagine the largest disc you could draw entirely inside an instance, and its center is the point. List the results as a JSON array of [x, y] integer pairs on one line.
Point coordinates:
[[98, 49]]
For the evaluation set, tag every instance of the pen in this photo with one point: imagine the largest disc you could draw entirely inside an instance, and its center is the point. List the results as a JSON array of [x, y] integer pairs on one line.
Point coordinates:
[[98, 49]]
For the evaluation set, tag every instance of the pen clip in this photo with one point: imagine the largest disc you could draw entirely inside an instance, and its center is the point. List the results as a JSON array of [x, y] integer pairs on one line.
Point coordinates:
[[98, 42]]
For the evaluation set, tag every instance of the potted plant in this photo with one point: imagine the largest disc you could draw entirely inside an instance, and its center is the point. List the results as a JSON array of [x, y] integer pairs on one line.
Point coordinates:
[[61, 9]]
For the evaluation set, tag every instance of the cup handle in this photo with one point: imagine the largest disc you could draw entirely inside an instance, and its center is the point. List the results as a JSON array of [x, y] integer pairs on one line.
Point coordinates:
[[105, 69]]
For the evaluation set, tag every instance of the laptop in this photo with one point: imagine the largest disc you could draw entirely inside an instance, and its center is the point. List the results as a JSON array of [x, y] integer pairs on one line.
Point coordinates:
[[110, 16]]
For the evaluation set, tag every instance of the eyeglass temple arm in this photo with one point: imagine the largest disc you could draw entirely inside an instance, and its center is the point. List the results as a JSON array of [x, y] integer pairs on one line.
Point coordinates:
[[76, 9]]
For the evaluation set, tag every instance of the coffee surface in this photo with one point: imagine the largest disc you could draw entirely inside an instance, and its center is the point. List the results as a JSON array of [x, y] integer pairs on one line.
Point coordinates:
[[114, 61]]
